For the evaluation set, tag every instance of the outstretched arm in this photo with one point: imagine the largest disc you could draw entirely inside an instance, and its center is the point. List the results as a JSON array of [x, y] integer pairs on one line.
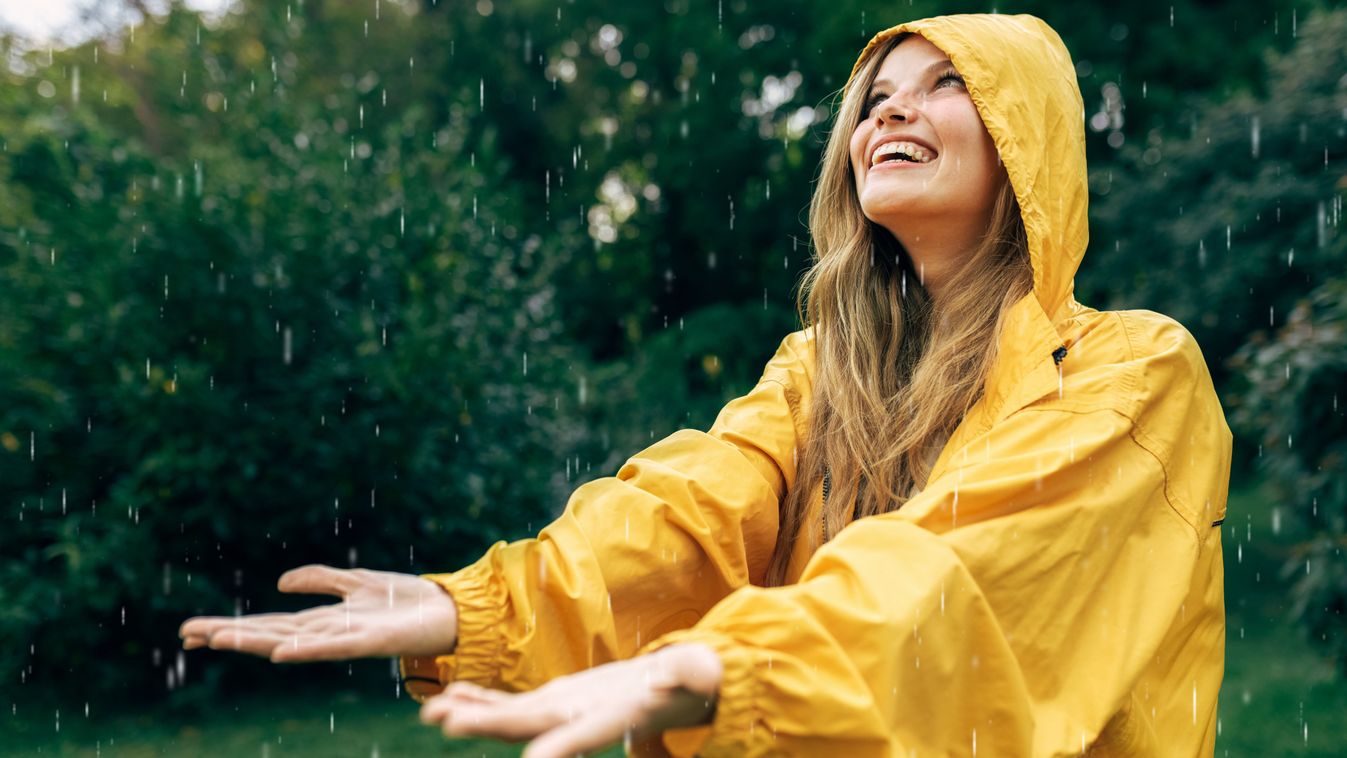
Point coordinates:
[[683, 523], [380, 614]]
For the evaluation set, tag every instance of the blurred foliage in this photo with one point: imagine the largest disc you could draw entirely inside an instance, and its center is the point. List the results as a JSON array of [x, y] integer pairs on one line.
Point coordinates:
[[1293, 401], [256, 337], [1227, 223], [383, 282]]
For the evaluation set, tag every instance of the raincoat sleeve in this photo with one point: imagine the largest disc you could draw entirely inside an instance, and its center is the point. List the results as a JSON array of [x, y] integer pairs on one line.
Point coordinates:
[[649, 550], [1008, 609]]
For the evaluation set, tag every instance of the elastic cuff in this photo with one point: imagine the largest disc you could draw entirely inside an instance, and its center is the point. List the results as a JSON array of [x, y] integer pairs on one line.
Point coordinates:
[[480, 599], [735, 729]]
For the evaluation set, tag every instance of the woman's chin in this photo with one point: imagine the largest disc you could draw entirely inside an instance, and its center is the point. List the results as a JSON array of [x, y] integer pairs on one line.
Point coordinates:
[[891, 208]]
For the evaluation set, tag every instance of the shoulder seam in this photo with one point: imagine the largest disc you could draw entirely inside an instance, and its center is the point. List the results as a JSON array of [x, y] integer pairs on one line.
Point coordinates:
[[1138, 436], [1133, 377], [792, 402]]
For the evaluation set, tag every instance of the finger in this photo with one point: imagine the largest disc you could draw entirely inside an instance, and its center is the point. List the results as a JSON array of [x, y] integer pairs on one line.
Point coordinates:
[[193, 642], [242, 640], [585, 735], [470, 692], [205, 626], [455, 695], [513, 720], [317, 579], [301, 648]]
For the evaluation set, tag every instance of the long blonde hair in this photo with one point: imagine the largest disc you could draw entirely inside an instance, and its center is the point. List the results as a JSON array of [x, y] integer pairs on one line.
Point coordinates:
[[894, 374]]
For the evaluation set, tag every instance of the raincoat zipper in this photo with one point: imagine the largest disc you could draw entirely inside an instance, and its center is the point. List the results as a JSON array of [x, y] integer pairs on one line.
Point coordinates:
[[827, 482], [827, 486]]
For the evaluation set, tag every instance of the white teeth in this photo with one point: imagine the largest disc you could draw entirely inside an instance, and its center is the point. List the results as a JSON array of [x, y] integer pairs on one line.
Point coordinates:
[[910, 149]]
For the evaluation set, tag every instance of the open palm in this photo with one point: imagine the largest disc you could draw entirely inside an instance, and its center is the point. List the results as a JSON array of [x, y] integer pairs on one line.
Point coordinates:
[[632, 700], [381, 613]]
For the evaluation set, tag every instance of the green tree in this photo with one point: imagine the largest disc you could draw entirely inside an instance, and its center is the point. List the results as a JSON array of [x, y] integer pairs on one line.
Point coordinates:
[[261, 334]]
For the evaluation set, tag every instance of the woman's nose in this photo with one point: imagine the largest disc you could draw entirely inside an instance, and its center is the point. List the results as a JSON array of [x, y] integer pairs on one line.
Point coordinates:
[[894, 108]]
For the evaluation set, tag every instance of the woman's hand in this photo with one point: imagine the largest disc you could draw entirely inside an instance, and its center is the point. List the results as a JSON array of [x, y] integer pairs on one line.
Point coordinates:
[[381, 614], [635, 699]]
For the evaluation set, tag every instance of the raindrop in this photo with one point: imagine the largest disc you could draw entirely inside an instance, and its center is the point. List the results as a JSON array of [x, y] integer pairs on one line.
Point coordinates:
[[1194, 701]]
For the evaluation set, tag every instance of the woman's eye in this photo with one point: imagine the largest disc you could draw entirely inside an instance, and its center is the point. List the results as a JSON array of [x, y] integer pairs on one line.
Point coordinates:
[[947, 76]]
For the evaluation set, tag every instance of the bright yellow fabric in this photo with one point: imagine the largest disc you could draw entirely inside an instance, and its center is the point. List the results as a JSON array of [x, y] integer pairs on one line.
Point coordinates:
[[650, 550], [1057, 586]]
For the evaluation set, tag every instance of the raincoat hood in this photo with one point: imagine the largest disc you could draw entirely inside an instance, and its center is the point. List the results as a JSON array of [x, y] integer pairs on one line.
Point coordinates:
[[1021, 79], [1023, 83]]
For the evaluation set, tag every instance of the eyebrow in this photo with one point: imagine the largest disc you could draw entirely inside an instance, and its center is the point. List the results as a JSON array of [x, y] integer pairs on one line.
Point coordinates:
[[929, 69]]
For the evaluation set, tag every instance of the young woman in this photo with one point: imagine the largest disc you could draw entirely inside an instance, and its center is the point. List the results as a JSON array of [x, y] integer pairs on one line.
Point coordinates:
[[960, 513]]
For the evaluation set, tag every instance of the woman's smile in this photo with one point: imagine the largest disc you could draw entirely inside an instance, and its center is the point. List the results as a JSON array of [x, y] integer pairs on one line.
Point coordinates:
[[899, 163]]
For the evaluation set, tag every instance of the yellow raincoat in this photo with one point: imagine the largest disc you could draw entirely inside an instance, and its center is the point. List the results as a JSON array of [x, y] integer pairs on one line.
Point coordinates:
[[1057, 586]]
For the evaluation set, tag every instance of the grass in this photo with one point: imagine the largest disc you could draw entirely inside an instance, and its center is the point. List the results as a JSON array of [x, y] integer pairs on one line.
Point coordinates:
[[344, 724], [1279, 697]]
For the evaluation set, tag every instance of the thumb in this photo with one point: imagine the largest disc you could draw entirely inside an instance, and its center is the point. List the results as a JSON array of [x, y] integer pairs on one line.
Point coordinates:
[[316, 579]]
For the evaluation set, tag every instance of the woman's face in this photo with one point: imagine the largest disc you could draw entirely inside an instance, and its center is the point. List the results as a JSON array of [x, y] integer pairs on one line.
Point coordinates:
[[918, 96]]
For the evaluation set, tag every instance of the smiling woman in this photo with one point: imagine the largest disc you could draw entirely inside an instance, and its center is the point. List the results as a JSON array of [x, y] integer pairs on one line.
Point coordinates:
[[960, 512]]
